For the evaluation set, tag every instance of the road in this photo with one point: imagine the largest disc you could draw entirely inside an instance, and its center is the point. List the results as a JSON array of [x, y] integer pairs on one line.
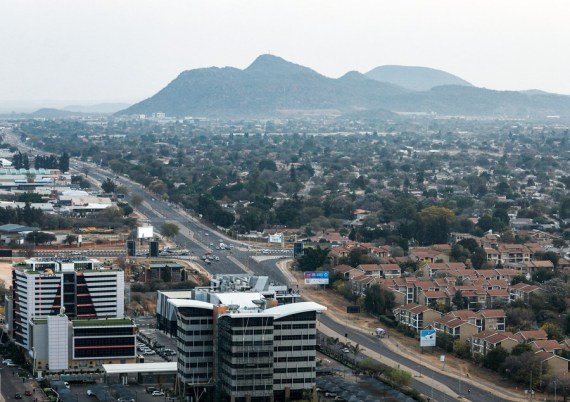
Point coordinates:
[[373, 343], [196, 237]]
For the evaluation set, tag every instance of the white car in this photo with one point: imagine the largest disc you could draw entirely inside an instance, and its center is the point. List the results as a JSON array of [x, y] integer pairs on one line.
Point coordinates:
[[345, 350], [157, 393]]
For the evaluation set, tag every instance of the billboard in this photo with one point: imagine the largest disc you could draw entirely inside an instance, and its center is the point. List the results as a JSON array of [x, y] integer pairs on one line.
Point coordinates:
[[297, 249], [352, 309], [153, 248], [427, 337], [317, 278], [145, 232], [131, 248], [276, 238], [5, 253]]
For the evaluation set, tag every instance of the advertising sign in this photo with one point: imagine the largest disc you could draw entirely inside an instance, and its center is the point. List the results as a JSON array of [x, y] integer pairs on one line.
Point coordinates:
[[317, 278], [297, 249], [145, 232], [427, 337], [276, 238]]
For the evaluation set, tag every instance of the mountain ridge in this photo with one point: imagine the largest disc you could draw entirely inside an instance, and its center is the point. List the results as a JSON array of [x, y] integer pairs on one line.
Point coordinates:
[[415, 78], [271, 85]]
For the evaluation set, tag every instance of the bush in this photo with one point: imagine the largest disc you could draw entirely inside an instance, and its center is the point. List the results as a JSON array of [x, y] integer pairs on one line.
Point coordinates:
[[398, 376], [388, 321]]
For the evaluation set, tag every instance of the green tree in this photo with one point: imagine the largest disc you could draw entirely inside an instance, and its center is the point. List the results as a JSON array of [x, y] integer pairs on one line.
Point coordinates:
[[458, 300], [30, 197], [108, 186], [169, 230], [40, 237], [312, 258], [136, 200], [495, 358], [378, 300], [553, 331]]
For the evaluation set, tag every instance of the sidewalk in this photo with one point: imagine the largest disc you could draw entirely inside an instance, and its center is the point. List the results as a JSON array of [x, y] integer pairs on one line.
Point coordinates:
[[368, 323]]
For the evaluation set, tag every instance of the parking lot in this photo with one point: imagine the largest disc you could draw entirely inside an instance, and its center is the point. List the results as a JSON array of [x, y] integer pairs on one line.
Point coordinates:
[[138, 391], [156, 341]]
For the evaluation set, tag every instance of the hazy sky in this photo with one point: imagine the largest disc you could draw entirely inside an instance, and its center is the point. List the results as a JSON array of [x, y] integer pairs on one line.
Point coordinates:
[[126, 50]]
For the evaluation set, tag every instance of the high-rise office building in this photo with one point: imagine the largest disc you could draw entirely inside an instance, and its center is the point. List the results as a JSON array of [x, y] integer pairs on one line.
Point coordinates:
[[80, 289], [240, 346]]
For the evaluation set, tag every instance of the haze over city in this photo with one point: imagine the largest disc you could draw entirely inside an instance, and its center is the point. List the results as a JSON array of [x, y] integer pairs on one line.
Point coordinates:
[[69, 51]]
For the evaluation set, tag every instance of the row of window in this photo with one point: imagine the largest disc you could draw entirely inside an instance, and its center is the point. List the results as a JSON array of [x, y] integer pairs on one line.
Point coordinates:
[[294, 370], [294, 359], [293, 326], [293, 348], [194, 333], [293, 337], [253, 332], [293, 381]]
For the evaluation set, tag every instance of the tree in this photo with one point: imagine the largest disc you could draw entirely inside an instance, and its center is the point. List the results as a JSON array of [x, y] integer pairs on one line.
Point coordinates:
[[520, 349], [462, 349], [136, 200], [267, 164], [458, 300], [109, 185], [495, 358], [553, 331], [312, 258], [36, 237], [126, 208], [479, 258], [169, 230], [70, 239], [398, 376], [525, 368], [30, 197], [64, 162], [378, 300]]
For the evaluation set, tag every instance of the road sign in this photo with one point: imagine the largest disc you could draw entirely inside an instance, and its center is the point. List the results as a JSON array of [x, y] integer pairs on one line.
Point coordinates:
[[352, 309], [298, 249], [427, 337], [317, 278]]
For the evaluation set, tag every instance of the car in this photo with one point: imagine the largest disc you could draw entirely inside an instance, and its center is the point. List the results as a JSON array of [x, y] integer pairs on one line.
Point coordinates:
[[18, 396], [66, 384], [150, 390], [11, 364], [157, 393], [150, 352], [345, 350], [6, 361], [28, 393], [90, 393]]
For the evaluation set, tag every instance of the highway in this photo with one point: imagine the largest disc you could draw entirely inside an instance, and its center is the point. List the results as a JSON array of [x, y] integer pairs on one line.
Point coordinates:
[[194, 235]]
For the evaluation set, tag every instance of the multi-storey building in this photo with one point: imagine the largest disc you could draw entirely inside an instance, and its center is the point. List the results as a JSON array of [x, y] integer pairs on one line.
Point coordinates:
[[244, 347], [166, 313], [78, 288], [59, 343]]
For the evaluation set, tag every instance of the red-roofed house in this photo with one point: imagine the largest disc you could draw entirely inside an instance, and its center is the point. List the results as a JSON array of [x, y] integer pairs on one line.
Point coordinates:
[[415, 316]]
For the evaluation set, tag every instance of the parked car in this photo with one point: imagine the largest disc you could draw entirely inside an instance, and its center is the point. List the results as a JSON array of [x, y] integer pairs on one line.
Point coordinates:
[[18, 396], [28, 393], [157, 393], [90, 393], [150, 390], [345, 350]]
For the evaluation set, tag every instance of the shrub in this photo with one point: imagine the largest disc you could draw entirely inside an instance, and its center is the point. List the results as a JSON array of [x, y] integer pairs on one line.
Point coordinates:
[[399, 376]]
